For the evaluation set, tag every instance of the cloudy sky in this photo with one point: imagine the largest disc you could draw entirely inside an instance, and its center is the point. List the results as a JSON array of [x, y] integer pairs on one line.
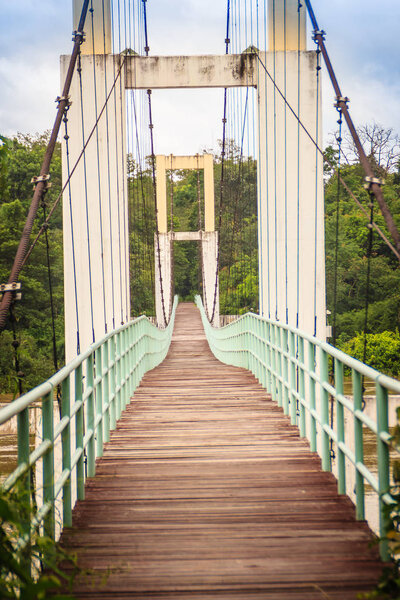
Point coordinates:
[[363, 38]]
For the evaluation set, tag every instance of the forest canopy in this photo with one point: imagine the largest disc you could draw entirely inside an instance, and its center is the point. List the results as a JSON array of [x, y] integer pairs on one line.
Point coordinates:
[[347, 249]]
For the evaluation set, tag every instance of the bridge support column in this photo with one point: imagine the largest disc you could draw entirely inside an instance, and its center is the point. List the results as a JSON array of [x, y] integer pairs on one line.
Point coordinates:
[[290, 183], [209, 254], [95, 207], [163, 277]]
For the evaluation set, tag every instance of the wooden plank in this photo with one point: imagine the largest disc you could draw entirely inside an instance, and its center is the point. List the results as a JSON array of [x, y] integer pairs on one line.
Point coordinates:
[[205, 491]]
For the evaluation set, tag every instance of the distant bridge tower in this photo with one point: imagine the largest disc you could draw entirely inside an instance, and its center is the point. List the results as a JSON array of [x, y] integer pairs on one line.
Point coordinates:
[[208, 238]]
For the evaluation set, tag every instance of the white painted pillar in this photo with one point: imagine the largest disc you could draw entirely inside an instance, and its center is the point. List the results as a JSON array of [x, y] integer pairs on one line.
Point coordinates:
[[99, 207], [163, 277], [290, 189], [100, 26], [209, 253]]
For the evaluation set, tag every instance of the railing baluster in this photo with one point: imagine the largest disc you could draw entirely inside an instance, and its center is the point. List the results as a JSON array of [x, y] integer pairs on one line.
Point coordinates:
[[302, 387], [25, 481], [292, 367], [339, 386], [66, 452], [268, 356], [382, 419], [48, 464], [118, 376], [106, 391], [113, 400], [324, 399], [91, 452], [279, 364], [358, 443], [311, 391], [285, 370], [99, 402], [79, 424]]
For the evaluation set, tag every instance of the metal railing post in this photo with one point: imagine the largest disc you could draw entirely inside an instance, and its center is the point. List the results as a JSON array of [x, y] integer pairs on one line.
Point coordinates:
[[292, 367], [341, 459], [112, 375], [285, 370], [382, 419], [80, 466], [105, 386], [48, 464], [99, 402], [91, 452], [66, 452], [358, 443], [324, 399], [302, 387], [311, 391]]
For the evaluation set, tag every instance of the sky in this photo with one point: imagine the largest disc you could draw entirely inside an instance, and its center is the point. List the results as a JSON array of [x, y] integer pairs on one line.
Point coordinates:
[[363, 39]]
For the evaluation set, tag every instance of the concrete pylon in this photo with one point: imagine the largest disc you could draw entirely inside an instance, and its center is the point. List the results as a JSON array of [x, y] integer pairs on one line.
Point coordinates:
[[98, 23], [95, 207], [290, 176]]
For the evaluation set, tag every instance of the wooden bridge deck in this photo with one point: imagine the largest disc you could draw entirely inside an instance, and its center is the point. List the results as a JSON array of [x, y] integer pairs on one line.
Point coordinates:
[[206, 491]]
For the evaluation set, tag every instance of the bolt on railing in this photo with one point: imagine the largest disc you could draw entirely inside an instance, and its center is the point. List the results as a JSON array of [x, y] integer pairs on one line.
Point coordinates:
[[294, 368]]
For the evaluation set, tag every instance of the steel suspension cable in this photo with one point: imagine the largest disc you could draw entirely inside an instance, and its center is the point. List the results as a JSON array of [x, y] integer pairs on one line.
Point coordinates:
[[328, 162], [72, 171], [221, 188], [41, 182], [91, 10]]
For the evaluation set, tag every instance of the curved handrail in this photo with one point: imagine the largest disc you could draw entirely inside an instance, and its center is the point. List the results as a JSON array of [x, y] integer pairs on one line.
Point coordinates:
[[96, 387], [294, 368]]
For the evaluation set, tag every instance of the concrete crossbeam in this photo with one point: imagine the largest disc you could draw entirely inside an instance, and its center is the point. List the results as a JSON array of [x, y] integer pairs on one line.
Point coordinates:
[[208, 71]]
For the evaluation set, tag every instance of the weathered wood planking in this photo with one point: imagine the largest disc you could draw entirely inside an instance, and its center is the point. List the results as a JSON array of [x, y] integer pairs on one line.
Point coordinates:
[[206, 491]]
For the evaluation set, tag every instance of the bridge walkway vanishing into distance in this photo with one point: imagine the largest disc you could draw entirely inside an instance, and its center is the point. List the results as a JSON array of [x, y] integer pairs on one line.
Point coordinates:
[[205, 491]]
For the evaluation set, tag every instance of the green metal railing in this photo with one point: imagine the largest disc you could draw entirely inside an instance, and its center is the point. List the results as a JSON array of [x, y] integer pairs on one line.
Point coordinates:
[[95, 388], [294, 367]]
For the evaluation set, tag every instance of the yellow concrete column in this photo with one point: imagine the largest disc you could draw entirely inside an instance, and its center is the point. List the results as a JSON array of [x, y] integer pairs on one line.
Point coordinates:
[[101, 26], [209, 215], [161, 193], [286, 25]]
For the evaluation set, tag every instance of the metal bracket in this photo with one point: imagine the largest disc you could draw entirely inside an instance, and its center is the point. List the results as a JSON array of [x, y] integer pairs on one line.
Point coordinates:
[[341, 100], [369, 181], [317, 32], [65, 99], [78, 36], [11, 287], [39, 178]]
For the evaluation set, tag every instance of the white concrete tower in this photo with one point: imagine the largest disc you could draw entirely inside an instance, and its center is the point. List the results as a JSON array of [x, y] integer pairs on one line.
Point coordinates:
[[290, 176], [95, 208]]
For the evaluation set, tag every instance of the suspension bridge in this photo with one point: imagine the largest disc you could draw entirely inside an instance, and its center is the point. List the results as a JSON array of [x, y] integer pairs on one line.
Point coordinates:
[[177, 457]]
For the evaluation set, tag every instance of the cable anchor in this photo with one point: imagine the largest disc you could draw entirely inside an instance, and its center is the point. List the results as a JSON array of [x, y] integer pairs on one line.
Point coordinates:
[[11, 287], [41, 178], [370, 181]]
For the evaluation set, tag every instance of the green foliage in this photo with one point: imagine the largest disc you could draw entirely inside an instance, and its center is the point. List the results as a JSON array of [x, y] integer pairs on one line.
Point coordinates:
[[17, 579], [383, 350], [350, 243], [238, 234], [20, 160]]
